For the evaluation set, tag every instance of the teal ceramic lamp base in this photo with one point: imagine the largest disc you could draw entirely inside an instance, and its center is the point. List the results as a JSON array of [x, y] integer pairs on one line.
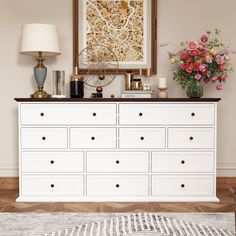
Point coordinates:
[[40, 73]]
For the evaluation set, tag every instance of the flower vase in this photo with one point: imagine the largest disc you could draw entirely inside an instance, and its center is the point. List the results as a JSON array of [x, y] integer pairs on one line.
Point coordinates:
[[195, 89]]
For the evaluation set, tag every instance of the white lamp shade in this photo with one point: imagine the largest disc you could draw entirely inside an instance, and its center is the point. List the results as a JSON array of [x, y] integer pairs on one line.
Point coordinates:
[[39, 38]]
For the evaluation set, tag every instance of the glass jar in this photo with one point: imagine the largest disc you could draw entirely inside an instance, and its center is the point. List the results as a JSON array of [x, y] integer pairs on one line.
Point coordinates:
[[194, 89], [58, 84], [137, 84]]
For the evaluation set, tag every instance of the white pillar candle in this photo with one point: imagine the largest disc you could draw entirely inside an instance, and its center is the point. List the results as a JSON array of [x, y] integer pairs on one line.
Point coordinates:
[[162, 83]]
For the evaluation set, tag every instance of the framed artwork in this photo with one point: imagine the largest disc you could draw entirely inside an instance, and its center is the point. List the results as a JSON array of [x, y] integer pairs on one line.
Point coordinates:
[[127, 27]]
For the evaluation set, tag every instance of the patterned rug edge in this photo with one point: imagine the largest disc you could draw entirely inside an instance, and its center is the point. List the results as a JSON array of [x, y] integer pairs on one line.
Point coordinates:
[[141, 223]]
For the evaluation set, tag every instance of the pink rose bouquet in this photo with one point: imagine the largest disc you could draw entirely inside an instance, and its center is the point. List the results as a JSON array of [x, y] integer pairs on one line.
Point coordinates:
[[205, 60]]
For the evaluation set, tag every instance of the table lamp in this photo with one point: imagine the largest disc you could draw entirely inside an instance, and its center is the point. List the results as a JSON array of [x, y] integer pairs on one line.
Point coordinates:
[[40, 40]]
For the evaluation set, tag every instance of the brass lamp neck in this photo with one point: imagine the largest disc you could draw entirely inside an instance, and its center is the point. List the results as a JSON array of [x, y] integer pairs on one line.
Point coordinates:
[[40, 60]]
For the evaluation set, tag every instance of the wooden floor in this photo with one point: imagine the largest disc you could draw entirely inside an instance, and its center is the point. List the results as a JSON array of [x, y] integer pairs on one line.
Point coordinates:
[[8, 204]]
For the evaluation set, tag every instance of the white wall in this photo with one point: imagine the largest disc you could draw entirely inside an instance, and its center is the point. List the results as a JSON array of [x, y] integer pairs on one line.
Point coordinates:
[[177, 20]]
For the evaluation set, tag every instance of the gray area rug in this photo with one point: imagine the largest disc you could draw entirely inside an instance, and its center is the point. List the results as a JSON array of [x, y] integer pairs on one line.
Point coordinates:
[[114, 224]]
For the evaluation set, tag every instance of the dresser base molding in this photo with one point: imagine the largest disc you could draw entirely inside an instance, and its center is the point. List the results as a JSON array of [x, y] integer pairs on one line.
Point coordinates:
[[117, 199]]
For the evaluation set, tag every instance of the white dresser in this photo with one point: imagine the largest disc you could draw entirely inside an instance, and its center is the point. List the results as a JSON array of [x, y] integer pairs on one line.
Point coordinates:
[[117, 150]]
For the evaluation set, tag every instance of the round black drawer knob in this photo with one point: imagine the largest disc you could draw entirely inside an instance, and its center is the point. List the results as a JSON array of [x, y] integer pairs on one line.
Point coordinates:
[[142, 138], [52, 185], [42, 114], [117, 185], [192, 114], [183, 162], [52, 162], [182, 185], [43, 138], [117, 162], [191, 138], [93, 138], [94, 114], [140, 114]]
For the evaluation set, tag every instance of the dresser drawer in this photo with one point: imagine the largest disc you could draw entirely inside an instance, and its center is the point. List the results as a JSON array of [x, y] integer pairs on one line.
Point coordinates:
[[191, 138], [95, 138], [182, 162], [117, 162], [182, 185], [52, 162], [52, 185], [72, 114], [142, 138], [116, 185], [166, 114], [43, 137]]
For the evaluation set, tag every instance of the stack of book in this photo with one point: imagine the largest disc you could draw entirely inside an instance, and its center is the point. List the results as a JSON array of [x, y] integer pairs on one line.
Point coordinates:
[[138, 94]]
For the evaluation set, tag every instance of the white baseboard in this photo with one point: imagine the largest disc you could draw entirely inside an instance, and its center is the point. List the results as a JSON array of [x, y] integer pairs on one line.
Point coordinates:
[[226, 170], [8, 170]]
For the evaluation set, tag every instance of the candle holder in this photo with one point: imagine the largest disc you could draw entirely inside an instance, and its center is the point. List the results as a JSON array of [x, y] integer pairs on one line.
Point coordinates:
[[148, 76], [162, 93]]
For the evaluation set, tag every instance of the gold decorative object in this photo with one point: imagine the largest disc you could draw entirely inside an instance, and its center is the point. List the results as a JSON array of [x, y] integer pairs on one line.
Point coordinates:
[[148, 78], [103, 66], [129, 76], [99, 89], [101, 76]]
